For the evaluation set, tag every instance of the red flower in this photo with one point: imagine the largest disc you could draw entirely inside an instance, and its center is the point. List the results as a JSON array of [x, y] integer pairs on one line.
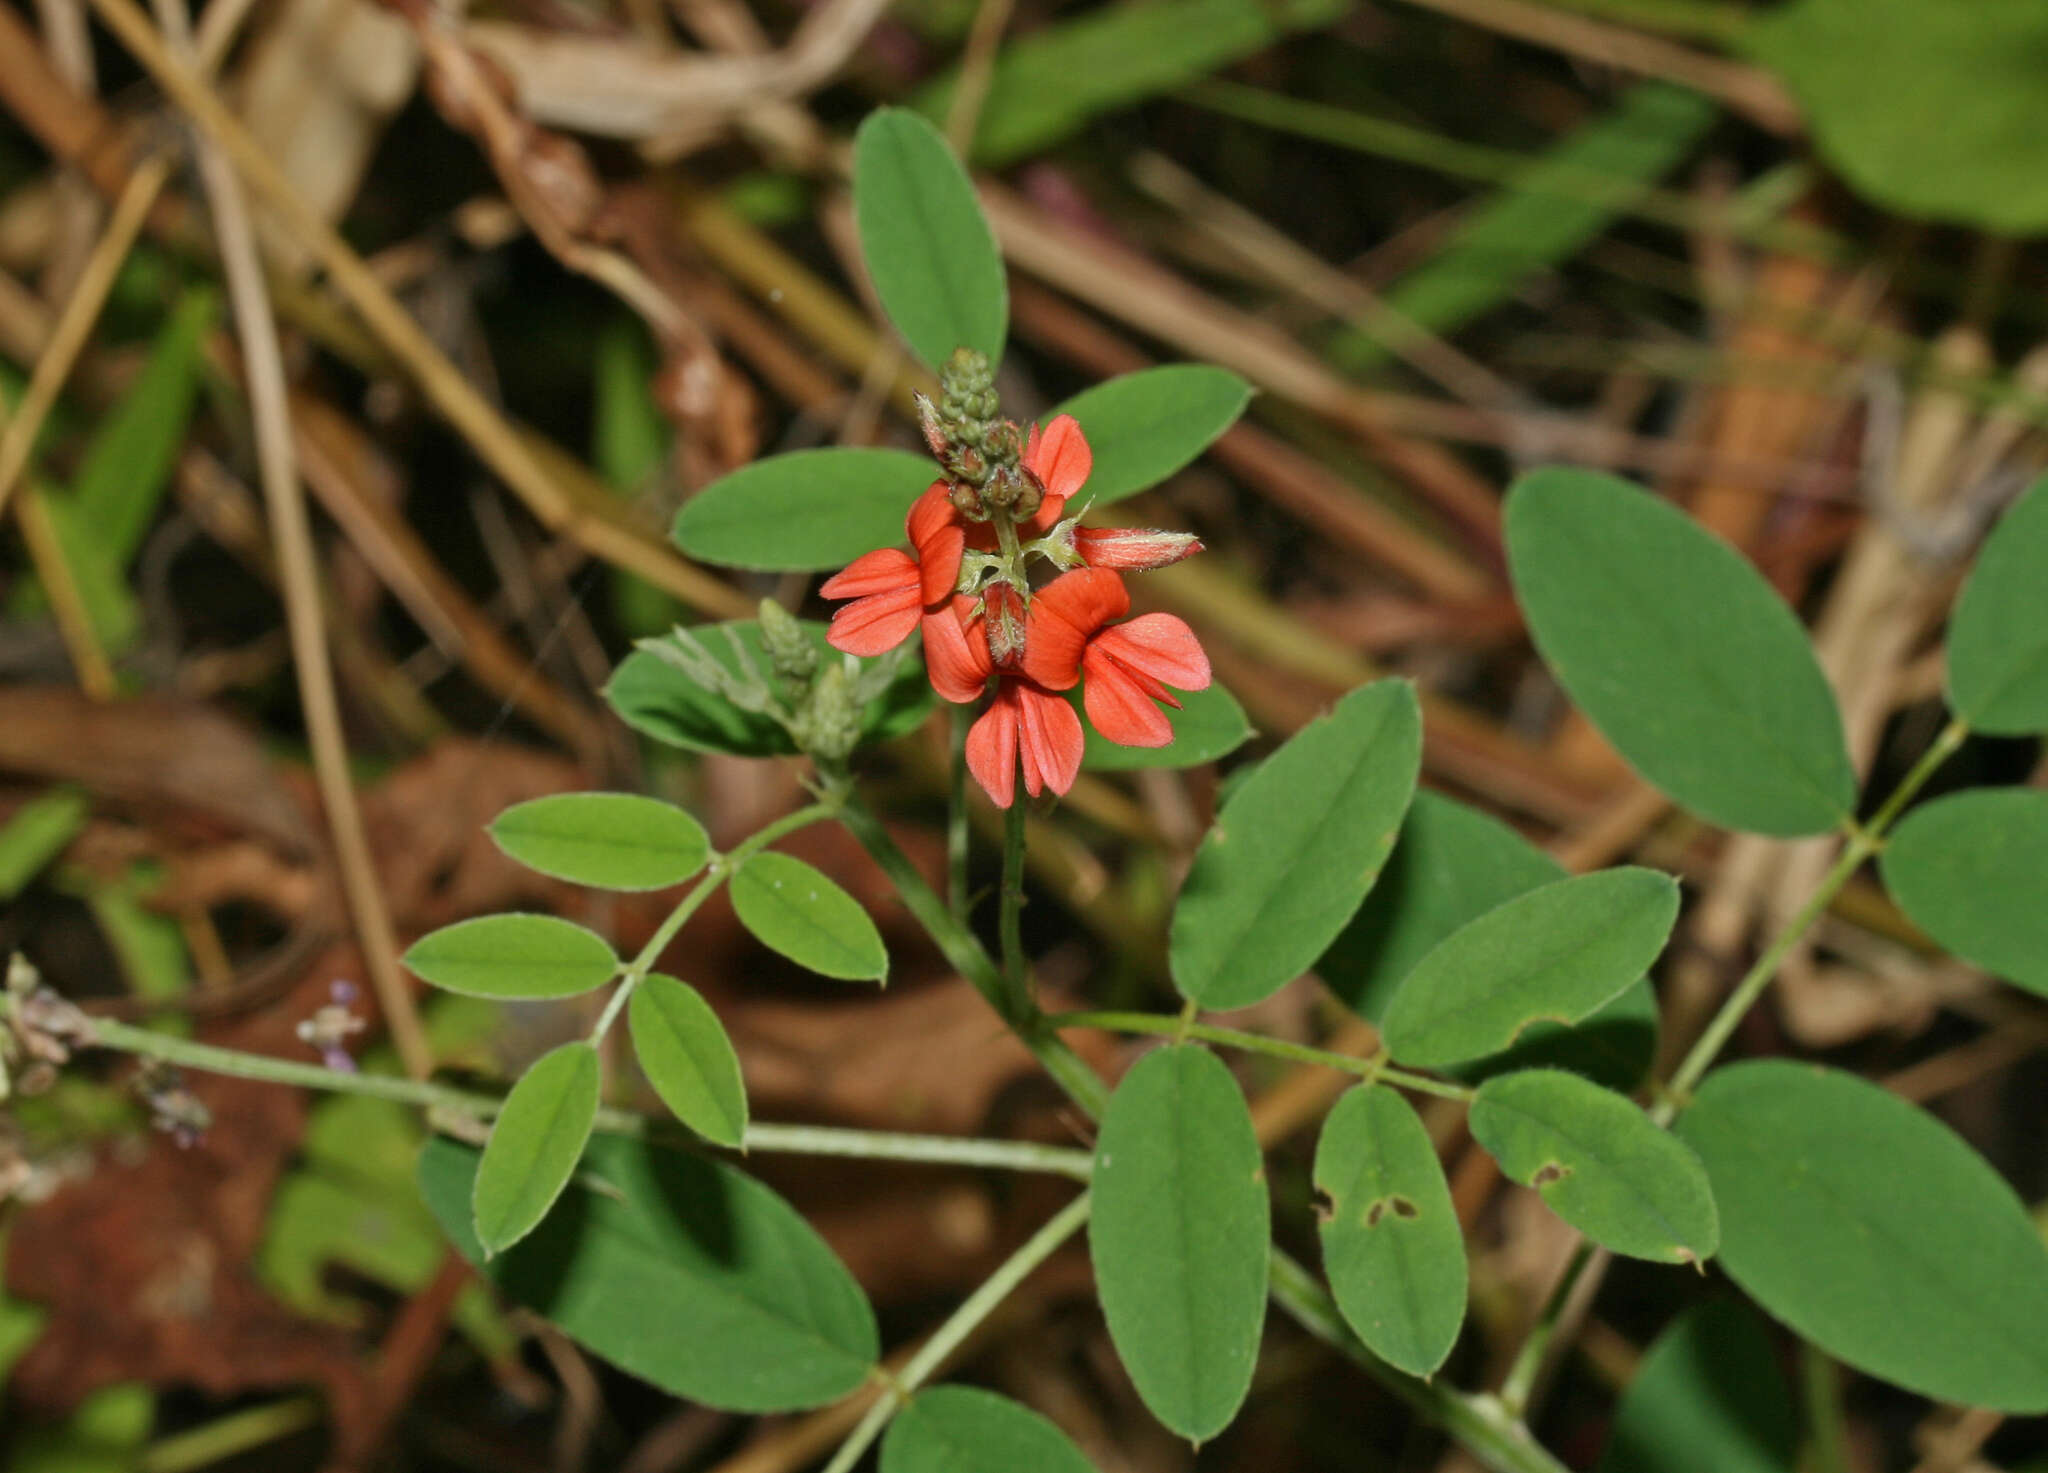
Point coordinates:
[[891, 589], [1134, 549], [1024, 721], [1127, 667], [1059, 456]]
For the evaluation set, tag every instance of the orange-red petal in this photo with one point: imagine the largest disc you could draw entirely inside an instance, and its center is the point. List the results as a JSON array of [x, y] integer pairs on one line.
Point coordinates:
[[1122, 709], [939, 536], [1160, 646], [992, 748], [882, 571], [877, 623], [1050, 739], [1064, 615], [1059, 456], [956, 652]]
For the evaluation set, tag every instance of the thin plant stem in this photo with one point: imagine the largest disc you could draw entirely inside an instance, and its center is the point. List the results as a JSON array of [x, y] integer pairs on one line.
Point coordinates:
[[977, 1307], [717, 873], [795, 1140], [1864, 841], [1521, 1376], [1279, 1048], [229, 1436], [52, 563], [1827, 1436], [958, 834], [1015, 971]]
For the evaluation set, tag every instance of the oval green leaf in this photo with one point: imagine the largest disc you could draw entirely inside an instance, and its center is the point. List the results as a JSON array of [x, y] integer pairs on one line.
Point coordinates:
[[1208, 725], [805, 511], [659, 700], [1179, 1237], [1452, 864], [1707, 1398], [928, 248], [1554, 955], [1967, 868], [616, 841], [514, 957], [963, 1429], [1600, 1164], [1680, 652], [685, 1054], [802, 913], [1296, 849], [1875, 1232], [1614, 1045], [679, 1270], [534, 1145], [1144, 426], [1998, 637], [1869, 74], [1392, 1247]]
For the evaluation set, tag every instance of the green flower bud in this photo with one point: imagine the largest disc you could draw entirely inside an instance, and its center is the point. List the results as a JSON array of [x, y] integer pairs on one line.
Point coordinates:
[[828, 726], [790, 652]]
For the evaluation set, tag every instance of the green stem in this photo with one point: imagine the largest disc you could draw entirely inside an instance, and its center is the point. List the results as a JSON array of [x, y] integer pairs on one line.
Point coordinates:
[[1480, 1424], [1864, 841], [800, 1140], [964, 951], [957, 831], [1300, 1053], [1012, 924], [229, 1436], [977, 1307], [718, 872], [1828, 1436], [1521, 1377]]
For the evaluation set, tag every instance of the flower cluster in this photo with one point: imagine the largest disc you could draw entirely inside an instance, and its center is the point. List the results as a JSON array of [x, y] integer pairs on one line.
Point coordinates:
[[998, 508]]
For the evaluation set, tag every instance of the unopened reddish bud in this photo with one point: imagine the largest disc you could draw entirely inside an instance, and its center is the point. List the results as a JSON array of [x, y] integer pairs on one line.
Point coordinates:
[[934, 429], [1003, 617], [1133, 549]]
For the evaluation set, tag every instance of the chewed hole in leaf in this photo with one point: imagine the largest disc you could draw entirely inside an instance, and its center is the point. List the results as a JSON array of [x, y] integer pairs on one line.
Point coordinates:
[[1324, 1204], [1549, 1172], [1398, 1205], [1527, 1023]]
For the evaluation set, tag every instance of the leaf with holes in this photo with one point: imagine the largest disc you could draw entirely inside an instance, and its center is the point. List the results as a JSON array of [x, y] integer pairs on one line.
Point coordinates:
[[793, 908], [1875, 1231], [928, 249], [805, 511], [1998, 637], [1144, 426], [685, 1054], [534, 1145], [616, 841], [679, 1270], [963, 1429], [1392, 1248], [1707, 1398], [1600, 1164], [1555, 954], [1180, 1237], [1296, 849], [514, 957], [1680, 652], [1967, 868]]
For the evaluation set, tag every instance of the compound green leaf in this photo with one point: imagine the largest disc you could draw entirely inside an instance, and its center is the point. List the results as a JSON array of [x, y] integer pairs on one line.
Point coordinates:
[[963, 1429], [1874, 1231], [685, 1054], [805, 511], [515, 957], [1179, 1237], [1392, 1247], [1146, 425], [1998, 638], [802, 913], [679, 1270], [1707, 1398], [1967, 868], [617, 841], [1599, 1163], [928, 249], [1208, 725], [534, 1145], [1452, 864], [1680, 652], [1296, 848], [1927, 109], [1554, 954], [660, 700]]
